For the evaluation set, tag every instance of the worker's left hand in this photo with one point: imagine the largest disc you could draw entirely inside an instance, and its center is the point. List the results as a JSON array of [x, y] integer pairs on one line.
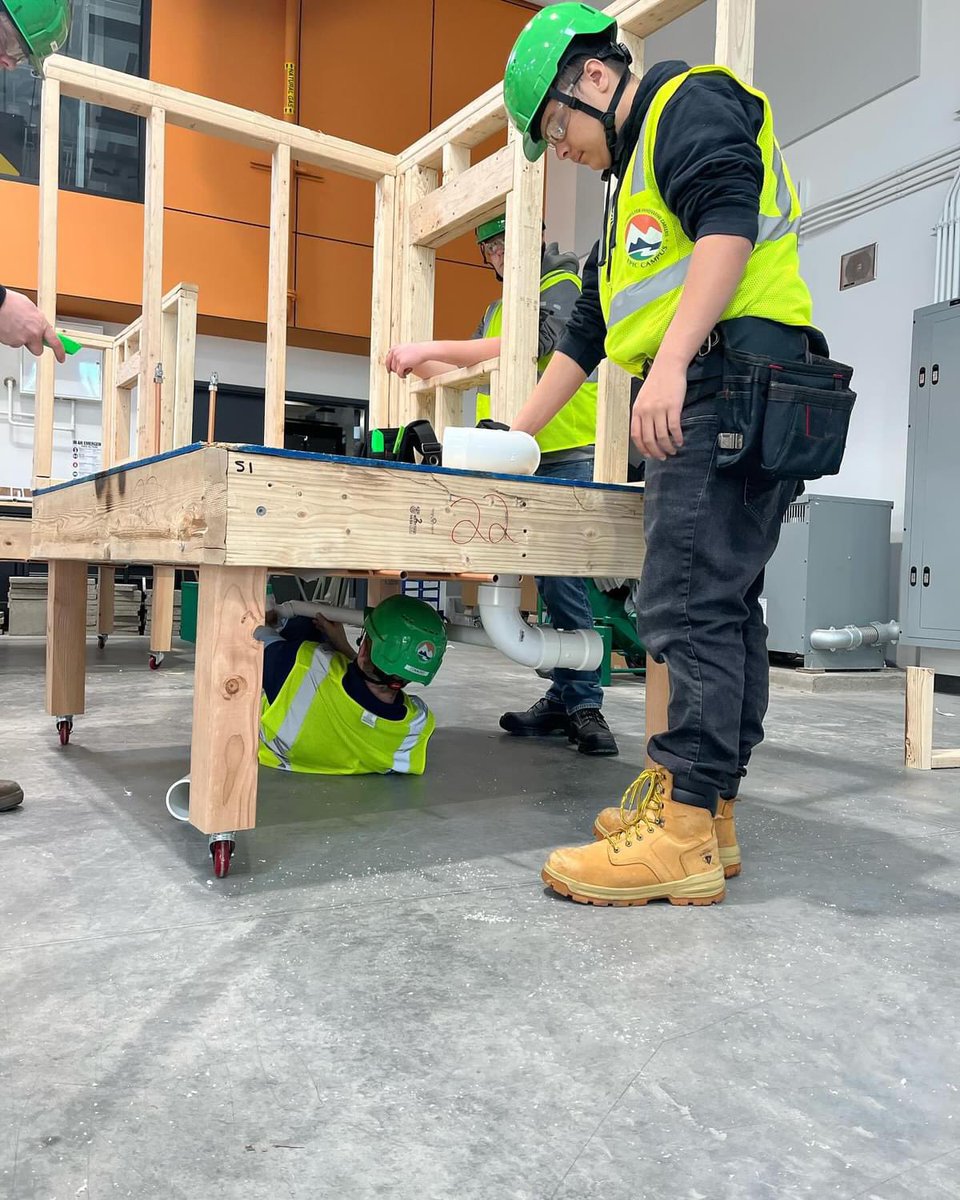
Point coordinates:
[[655, 425], [406, 357]]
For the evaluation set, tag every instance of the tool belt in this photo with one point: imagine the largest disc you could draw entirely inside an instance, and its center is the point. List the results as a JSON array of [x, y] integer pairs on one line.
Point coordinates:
[[782, 419]]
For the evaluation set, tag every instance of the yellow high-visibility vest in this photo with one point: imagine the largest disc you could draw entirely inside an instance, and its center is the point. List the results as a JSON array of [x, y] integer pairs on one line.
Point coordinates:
[[315, 727], [641, 283], [576, 423]]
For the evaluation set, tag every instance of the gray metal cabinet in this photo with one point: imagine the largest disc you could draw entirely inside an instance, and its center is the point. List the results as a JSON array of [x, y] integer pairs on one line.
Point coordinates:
[[930, 577], [831, 568]]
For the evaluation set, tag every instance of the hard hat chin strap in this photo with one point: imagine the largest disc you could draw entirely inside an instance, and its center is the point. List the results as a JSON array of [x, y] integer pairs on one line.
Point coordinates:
[[608, 118]]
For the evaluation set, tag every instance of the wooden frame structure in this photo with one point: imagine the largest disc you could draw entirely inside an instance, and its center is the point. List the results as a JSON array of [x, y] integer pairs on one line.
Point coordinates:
[[918, 751], [234, 513]]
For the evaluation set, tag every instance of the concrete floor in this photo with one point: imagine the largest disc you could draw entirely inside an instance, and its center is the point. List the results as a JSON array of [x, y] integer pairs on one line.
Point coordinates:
[[382, 1001]]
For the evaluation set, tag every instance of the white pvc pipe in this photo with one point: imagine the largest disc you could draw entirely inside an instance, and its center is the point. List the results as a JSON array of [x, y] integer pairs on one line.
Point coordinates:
[[179, 806], [533, 646]]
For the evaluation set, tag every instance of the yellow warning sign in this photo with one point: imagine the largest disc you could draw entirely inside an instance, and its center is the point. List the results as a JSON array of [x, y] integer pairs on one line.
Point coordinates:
[[290, 72]]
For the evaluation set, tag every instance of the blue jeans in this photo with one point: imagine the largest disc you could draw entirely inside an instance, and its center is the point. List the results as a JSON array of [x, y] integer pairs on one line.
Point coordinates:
[[709, 537], [567, 602]]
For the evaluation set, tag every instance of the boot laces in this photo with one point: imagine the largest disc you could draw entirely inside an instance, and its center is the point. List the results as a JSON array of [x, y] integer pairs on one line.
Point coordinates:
[[640, 805]]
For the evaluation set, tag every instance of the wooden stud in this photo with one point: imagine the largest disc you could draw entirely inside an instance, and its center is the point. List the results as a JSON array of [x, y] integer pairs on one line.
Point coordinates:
[[168, 388], [463, 378], [108, 407], [469, 127], [161, 609], [521, 286], [449, 409], [418, 278], [657, 701], [466, 201], [185, 364], [381, 317], [47, 276], [66, 637], [945, 758], [643, 17], [128, 372], [456, 160], [613, 424], [106, 599], [276, 385], [131, 94], [226, 699], [736, 28], [918, 719], [151, 337]]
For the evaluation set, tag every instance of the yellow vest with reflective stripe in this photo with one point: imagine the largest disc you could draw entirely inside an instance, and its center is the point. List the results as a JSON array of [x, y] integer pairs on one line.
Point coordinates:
[[315, 727], [641, 284], [576, 423]]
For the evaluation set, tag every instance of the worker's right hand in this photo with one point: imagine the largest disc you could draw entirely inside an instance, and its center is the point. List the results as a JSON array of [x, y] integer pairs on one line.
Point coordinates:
[[23, 324], [407, 356]]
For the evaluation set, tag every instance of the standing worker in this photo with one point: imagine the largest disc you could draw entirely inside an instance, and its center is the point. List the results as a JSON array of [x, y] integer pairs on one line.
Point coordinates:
[[697, 266], [573, 704], [29, 31]]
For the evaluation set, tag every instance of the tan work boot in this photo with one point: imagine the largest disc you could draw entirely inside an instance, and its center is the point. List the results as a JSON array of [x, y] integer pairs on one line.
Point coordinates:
[[609, 822], [665, 850]]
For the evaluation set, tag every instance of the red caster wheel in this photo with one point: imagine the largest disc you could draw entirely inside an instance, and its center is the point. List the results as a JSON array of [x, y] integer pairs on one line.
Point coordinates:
[[221, 852], [64, 729], [156, 660]]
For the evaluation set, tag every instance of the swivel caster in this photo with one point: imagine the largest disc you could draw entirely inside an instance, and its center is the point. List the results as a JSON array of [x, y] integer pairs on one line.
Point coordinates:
[[222, 846], [101, 640], [64, 729], [155, 660]]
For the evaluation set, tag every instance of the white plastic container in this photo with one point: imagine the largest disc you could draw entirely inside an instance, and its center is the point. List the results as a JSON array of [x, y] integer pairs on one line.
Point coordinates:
[[509, 452]]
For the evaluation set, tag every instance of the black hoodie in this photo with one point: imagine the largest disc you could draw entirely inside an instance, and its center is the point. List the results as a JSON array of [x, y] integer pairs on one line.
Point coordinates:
[[708, 168]]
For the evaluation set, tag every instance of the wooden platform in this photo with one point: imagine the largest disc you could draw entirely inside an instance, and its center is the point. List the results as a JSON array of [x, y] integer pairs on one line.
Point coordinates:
[[15, 539], [236, 512]]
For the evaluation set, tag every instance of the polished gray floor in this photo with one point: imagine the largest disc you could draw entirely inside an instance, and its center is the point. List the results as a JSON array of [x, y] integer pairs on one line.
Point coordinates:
[[382, 1001]]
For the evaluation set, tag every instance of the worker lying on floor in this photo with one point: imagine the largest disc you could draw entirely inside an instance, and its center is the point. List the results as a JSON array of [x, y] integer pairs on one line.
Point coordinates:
[[331, 710]]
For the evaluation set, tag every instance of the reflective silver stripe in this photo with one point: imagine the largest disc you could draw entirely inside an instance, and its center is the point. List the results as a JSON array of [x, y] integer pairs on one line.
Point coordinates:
[[637, 295], [283, 740], [401, 759], [784, 199], [638, 182], [769, 229]]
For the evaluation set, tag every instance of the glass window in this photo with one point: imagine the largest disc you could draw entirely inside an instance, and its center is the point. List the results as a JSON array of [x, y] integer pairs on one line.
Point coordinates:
[[100, 149]]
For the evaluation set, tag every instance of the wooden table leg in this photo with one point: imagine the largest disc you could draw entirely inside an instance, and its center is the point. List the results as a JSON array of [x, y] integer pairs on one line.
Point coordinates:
[[106, 602], [226, 699], [918, 719], [161, 610], [657, 699], [66, 637]]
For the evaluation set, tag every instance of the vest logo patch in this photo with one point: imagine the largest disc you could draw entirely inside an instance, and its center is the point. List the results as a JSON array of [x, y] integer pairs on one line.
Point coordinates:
[[643, 237], [426, 651]]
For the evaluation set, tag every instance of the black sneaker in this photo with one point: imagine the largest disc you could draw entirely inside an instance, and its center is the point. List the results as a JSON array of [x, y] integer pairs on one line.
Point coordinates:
[[591, 732], [543, 719]]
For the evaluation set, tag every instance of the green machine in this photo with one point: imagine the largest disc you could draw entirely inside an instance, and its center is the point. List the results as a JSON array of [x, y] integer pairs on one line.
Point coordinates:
[[615, 620]]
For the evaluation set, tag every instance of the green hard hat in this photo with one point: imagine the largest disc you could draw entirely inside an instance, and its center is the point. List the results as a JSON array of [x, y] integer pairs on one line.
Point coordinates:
[[407, 638], [43, 25], [490, 229], [536, 58]]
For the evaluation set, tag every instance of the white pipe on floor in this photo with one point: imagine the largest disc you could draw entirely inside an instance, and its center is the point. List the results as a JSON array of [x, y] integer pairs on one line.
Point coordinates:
[[536, 646]]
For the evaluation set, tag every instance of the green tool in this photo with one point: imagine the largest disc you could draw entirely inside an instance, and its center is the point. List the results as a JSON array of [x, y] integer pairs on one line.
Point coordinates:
[[69, 344]]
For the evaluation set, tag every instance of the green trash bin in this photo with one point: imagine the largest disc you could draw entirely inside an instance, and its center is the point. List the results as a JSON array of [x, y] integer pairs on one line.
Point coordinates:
[[189, 591]]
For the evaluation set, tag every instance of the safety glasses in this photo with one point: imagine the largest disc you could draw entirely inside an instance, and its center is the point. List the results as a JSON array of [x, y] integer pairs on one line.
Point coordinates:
[[554, 128]]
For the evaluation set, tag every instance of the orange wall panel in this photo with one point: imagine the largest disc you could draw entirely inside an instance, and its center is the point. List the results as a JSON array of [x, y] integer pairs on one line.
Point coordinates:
[[471, 42], [226, 260], [237, 58], [366, 77], [462, 296], [334, 286]]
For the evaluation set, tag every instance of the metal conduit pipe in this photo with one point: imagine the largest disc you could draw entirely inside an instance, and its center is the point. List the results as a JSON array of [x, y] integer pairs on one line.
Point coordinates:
[[533, 645], [851, 637]]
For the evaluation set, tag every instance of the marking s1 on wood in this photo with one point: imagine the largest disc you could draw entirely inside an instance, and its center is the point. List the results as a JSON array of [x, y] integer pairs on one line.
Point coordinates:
[[243, 466]]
